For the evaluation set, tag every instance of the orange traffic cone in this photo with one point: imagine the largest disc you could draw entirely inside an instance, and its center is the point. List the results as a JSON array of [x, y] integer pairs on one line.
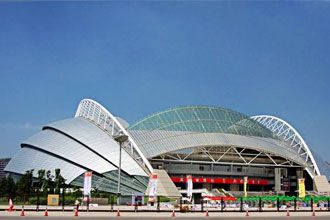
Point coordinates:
[[22, 211], [11, 206], [247, 213], [76, 213], [207, 213], [313, 214], [173, 213], [118, 213], [287, 212], [46, 212]]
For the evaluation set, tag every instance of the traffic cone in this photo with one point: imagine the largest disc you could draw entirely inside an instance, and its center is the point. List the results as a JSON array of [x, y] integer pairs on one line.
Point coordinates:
[[11, 206], [207, 213], [173, 213], [287, 212], [76, 213], [313, 214], [22, 211], [46, 212], [118, 213], [247, 213]]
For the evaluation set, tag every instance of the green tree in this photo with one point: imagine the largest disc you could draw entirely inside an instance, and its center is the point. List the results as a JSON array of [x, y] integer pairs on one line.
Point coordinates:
[[95, 192], [39, 185], [59, 181], [41, 179], [7, 187], [47, 186], [77, 193], [10, 188], [24, 185], [3, 183]]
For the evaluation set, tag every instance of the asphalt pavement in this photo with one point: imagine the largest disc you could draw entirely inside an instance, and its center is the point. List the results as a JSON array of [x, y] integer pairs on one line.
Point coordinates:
[[165, 215], [181, 218]]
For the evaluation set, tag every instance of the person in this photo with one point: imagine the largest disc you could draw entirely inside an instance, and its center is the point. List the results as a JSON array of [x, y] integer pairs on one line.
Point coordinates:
[[77, 203]]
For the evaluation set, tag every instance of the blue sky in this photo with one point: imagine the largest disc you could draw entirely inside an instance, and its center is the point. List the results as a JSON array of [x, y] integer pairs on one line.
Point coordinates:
[[137, 58]]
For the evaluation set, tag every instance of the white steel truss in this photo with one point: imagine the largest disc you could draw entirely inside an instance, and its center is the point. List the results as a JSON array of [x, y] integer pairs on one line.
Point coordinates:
[[102, 118], [227, 155], [290, 138]]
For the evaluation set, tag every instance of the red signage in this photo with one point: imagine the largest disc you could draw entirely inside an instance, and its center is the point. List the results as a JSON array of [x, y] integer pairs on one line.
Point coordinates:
[[218, 198], [221, 180]]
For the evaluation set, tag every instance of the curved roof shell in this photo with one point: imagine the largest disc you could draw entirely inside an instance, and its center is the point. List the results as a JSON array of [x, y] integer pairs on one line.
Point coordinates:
[[97, 142], [202, 119], [75, 146], [29, 158]]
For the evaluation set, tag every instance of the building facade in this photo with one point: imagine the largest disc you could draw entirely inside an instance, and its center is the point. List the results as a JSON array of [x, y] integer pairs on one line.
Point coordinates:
[[217, 146], [3, 164]]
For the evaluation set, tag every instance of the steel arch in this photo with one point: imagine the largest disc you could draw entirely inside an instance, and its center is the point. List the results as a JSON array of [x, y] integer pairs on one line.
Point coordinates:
[[290, 138], [101, 117]]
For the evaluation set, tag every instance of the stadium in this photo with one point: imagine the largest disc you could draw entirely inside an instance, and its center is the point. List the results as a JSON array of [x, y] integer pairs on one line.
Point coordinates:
[[217, 146]]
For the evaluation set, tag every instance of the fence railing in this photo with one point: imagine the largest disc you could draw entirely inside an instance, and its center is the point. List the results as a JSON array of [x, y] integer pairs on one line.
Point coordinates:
[[164, 204]]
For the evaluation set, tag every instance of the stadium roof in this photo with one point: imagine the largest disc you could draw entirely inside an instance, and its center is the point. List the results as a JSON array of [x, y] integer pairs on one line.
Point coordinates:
[[203, 119], [185, 133], [189, 127]]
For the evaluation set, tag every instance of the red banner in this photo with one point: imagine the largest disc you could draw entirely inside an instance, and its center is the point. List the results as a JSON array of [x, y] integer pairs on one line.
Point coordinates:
[[219, 198], [221, 180]]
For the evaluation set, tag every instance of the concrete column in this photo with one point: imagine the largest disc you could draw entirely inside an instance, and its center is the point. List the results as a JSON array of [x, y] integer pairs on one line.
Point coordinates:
[[300, 175], [277, 179]]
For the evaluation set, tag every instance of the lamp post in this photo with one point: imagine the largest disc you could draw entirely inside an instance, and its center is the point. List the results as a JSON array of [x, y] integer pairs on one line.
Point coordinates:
[[120, 138]]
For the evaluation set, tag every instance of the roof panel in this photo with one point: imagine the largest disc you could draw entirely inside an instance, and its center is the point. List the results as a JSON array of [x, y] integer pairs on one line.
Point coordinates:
[[37, 160], [92, 136], [65, 147], [204, 119]]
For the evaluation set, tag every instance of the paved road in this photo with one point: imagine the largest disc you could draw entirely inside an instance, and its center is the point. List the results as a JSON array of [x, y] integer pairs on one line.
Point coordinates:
[[167, 215], [181, 218]]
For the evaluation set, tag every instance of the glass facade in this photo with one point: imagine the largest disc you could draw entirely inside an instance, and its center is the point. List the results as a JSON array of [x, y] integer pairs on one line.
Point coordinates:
[[203, 119]]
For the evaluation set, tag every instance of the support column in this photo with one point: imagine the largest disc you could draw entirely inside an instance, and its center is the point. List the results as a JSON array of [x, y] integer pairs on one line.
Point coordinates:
[[277, 180], [300, 175]]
